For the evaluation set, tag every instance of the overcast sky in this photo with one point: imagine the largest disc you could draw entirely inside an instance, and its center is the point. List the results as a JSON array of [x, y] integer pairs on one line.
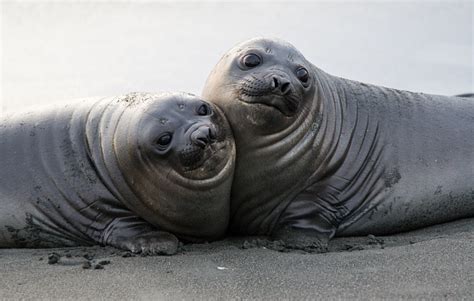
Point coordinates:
[[60, 51]]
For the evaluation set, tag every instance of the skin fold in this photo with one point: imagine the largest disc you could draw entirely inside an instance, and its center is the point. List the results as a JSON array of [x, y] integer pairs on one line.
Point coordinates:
[[319, 155], [137, 172]]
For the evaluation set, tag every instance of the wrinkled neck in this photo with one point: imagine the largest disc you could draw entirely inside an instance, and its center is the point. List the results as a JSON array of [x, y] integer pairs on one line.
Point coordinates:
[[271, 169], [328, 144]]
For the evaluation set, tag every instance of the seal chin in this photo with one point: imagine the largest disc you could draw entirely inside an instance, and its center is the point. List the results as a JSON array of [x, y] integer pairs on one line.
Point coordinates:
[[214, 157], [203, 159]]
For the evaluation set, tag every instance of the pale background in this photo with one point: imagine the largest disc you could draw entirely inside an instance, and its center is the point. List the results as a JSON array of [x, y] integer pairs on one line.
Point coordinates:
[[53, 51]]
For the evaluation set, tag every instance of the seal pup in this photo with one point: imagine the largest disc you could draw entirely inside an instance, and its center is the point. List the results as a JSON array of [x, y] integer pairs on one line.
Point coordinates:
[[135, 172], [319, 155]]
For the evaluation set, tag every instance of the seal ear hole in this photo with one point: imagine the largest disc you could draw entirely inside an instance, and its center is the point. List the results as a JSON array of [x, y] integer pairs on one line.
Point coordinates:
[[164, 141], [204, 110]]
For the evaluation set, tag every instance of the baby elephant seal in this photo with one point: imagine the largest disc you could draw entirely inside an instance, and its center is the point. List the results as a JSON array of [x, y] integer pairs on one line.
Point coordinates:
[[319, 156], [135, 172]]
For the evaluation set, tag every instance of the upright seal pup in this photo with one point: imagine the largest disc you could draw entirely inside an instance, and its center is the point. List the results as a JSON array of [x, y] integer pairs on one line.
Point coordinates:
[[319, 156], [133, 172]]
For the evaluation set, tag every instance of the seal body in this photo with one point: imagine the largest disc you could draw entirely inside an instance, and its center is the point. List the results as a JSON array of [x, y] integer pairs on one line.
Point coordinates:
[[319, 156], [135, 172]]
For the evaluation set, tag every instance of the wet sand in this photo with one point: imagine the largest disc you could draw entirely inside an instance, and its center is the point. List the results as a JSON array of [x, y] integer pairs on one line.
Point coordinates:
[[435, 262]]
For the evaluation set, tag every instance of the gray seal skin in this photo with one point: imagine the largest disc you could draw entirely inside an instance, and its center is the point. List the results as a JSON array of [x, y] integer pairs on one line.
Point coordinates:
[[135, 172], [319, 155]]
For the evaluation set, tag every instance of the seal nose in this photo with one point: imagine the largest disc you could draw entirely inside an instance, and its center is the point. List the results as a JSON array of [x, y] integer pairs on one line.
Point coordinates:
[[280, 84], [203, 136]]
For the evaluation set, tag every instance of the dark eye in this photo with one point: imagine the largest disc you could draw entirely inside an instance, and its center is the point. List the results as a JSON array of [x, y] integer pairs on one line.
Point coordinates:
[[251, 60], [204, 110], [302, 74], [164, 140]]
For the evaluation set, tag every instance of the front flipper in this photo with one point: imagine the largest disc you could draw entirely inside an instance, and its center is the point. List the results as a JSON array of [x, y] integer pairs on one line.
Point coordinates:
[[136, 235], [306, 225]]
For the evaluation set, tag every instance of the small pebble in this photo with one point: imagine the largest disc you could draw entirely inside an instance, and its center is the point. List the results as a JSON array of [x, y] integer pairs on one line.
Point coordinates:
[[374, 240], [246, 245], [127, 254], [86, 265], [53, 258], [103, 262]]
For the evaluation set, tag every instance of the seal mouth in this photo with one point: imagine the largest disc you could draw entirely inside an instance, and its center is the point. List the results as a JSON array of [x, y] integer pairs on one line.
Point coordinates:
[[270, 91], [287, 105], [207, 159]]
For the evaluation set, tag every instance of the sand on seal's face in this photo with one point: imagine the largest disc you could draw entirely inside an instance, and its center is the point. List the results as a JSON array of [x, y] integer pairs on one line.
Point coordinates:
[[434, 262]]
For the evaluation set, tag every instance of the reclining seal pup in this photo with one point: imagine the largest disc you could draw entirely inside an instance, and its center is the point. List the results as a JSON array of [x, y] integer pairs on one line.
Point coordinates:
[[134, 172], [319, 156]]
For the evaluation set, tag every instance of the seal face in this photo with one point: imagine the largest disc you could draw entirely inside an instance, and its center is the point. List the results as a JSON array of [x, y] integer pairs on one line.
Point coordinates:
[[319, 155], [268, 77], [186, 135], [135, 172], [274, 88], [181, 165]]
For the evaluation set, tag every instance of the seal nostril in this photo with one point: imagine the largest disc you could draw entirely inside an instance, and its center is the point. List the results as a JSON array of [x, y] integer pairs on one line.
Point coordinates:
[[212, 134], [202, 141], [275, 83], [285, 87], [280, 85], [201, 137]]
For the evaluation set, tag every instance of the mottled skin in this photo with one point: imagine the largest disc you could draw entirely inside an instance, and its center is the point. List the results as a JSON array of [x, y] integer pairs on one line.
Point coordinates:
[[135, 172], [319, 156]]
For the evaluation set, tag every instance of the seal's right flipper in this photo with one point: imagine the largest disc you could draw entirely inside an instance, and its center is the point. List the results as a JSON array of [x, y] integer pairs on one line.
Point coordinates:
[[136, 235], [306, 225]]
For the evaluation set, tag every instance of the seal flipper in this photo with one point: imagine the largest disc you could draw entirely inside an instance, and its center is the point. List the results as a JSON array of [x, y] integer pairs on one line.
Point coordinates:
[[306, 225], [136, 235]]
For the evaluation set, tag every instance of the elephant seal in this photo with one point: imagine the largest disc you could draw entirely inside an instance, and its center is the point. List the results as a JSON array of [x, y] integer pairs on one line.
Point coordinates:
[[319, 155], [134, 172]]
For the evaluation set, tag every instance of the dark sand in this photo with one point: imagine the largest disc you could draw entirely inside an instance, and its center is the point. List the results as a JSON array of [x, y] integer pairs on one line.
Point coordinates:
[[436, 262]]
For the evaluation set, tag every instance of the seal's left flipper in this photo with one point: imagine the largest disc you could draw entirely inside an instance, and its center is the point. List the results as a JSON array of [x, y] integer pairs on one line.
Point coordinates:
[[305, 225], [136, 235]]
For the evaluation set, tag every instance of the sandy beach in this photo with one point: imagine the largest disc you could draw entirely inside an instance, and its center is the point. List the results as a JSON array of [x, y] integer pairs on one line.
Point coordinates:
[[53, 51], [432, 263]]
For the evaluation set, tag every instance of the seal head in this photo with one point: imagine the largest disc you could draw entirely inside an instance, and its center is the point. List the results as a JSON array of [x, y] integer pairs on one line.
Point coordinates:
[[176, 154], [266, 82]]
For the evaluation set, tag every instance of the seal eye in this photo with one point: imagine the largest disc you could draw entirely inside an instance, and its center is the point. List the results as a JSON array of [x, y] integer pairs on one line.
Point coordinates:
[[251, 60], [302, 74], [204, 110], [164, 140]]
